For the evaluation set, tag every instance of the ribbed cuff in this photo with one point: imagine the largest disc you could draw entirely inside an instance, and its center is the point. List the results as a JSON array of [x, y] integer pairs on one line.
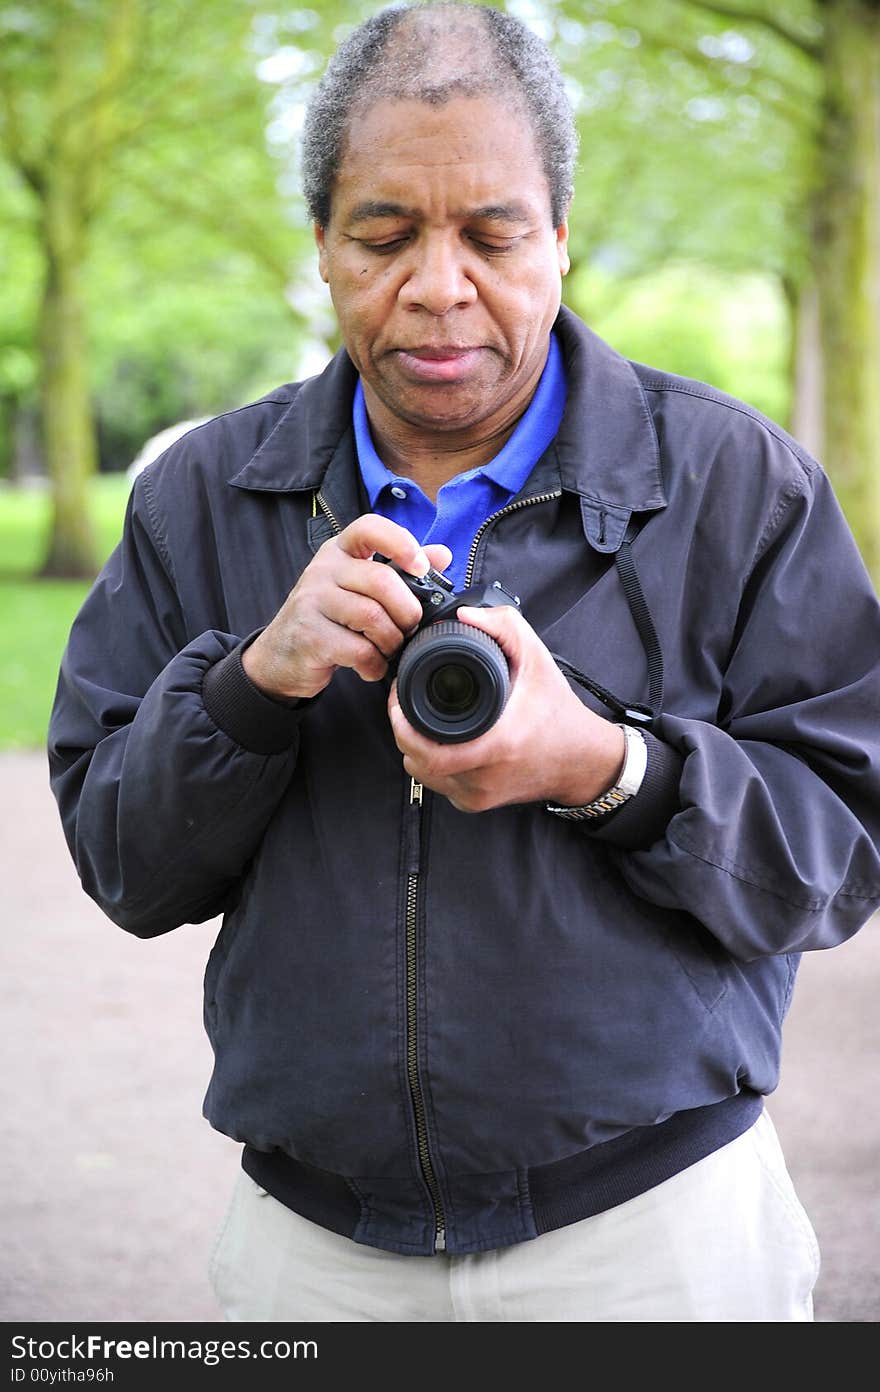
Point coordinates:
[[246, 714], [643, 819]]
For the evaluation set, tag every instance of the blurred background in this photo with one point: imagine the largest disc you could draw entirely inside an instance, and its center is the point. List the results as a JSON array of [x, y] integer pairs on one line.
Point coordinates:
[[157, 267]]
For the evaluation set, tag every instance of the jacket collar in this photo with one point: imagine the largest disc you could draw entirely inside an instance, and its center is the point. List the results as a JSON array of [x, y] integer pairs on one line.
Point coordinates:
[[607, 446], [295, 454]]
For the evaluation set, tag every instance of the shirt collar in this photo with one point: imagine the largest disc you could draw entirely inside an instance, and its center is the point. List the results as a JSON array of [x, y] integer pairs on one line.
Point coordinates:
[[373, 471], [511, 466], [607, 444]]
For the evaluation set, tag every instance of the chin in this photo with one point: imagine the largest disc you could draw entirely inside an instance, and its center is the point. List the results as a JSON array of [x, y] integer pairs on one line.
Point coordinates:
[[443, 420], [445, 404]]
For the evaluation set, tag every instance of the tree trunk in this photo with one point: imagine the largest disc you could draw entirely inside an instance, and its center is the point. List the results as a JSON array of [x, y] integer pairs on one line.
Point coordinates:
[[846, 256], [806, 375], [68, 424]]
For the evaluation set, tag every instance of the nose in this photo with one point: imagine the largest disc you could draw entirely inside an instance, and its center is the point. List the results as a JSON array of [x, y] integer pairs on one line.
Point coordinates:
[[437, 279]]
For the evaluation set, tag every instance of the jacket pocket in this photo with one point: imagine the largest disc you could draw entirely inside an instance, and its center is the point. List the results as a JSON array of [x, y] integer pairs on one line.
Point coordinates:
[[699, 957], [216, 970]]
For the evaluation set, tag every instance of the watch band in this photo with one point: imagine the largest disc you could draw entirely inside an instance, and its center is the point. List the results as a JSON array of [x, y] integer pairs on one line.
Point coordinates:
[[635, 764]]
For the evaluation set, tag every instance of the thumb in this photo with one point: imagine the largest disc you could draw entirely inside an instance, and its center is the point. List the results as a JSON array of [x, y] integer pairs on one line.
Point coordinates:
[[504, 623]]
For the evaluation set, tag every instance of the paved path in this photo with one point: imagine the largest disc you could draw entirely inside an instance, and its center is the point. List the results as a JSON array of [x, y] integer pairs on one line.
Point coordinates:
[[115, 1186]]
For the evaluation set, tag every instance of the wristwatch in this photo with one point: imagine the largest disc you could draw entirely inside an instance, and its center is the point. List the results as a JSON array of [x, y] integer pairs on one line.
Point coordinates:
[[635, 763]]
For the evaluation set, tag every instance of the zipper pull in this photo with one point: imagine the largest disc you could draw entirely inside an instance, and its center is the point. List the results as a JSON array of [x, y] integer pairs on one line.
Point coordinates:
[[412, 822]]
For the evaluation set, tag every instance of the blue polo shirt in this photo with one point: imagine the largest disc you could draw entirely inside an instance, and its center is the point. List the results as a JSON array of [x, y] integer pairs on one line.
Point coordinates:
[[464, 503]]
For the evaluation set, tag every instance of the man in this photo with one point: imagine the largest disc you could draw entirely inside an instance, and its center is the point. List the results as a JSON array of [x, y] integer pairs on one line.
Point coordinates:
[[493, 1018]]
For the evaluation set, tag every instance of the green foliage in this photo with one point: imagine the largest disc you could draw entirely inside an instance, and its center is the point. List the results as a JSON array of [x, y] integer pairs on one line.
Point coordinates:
[[200, 276], [36, 615], [174, 346], [695, 137], [697, 133], [150, 120], [728, 330], [24, 517], [35, 619]]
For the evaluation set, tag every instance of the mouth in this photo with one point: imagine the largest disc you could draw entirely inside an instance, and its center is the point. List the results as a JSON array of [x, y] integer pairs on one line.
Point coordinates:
[[431, 363]]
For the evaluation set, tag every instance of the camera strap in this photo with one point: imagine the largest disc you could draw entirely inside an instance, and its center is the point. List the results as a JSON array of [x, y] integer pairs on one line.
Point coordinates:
[[633, 712]]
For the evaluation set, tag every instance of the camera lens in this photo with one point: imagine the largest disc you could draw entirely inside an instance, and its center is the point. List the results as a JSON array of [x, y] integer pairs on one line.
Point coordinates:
[[452, 690], [452, 681]]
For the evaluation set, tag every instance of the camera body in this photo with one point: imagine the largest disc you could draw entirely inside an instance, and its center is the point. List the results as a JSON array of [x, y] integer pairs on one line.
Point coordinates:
[[452, 679]]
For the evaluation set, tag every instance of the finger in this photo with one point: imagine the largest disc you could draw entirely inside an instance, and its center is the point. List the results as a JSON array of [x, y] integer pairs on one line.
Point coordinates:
[[361, 614], [407, 738], [505, 624], [403, 732], [382, 585], [372, 533], [433, 762], [348, 649], [440, 556]]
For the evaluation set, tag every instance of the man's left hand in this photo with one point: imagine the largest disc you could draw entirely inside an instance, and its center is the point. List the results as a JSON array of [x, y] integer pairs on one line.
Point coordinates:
[[546, 746]]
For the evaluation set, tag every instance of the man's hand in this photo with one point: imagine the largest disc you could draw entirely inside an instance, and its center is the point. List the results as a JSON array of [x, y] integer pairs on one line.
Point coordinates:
[[346, 610], [547, 746]]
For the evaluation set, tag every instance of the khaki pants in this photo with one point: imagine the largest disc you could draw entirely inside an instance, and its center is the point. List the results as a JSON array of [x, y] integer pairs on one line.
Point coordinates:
[[725, 1240]]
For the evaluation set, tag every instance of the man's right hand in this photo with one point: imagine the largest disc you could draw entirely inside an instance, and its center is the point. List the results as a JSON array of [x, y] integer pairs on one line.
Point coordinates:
[[346, 610]]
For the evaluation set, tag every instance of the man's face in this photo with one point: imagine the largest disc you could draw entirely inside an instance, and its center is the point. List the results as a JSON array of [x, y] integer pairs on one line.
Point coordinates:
[[443, 266]]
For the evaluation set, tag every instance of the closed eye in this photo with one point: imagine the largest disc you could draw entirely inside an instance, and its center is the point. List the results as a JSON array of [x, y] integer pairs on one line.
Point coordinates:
[[392, 244], [384, 248], [493, 248]]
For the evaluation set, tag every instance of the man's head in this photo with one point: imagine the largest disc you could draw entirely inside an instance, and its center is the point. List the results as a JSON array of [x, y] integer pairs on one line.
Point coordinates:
[[431, 52], [438, 164]]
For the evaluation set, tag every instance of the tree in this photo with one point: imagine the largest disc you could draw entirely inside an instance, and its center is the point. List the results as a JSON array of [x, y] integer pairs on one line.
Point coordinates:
[[802, 203], [742, 135], [845, 258], [841, 220], [103, 101]]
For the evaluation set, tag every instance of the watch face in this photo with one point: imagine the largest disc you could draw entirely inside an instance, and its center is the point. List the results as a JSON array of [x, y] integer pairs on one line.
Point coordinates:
[[635, 762]]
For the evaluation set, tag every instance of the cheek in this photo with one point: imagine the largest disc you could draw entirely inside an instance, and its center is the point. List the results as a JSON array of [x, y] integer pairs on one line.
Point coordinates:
[[524, 313], [371, 307], [361, 292], [361, 318], [524, 295]]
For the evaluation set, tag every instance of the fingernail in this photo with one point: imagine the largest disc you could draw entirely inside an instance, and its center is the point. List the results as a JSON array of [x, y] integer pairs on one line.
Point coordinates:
[[421, 559]]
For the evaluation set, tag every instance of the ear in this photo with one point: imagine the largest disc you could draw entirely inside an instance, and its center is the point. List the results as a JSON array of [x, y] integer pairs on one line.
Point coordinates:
[[562, 247], [321, 243]]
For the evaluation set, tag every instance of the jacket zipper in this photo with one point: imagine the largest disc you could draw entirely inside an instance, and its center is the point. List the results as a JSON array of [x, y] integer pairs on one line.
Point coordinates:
[[326, 511], [417, 1100], [478, 536], [416, 792], [412, 903], [510, 507]]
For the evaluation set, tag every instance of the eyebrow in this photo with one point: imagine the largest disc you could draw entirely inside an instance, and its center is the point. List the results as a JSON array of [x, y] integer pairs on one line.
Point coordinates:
[[491, 212]]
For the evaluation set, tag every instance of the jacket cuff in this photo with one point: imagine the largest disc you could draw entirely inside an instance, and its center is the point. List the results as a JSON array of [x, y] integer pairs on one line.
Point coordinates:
[[643, 819], [257, 722]]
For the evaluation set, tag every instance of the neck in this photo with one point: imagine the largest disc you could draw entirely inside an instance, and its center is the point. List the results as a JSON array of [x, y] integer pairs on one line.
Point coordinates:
[[431, 459], [432, 462]]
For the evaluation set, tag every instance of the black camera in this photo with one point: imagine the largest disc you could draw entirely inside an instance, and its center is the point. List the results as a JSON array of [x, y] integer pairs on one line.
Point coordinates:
[[452, 679]]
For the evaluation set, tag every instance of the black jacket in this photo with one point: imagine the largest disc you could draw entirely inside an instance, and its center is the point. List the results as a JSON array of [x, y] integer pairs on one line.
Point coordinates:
[[433, 1006]]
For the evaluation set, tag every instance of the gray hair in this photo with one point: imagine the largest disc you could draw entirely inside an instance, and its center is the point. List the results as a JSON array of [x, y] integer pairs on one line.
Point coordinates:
[[430, 52]]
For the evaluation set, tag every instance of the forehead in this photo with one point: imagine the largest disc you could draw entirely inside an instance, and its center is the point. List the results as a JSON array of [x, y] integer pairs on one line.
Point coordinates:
[[468, 151]]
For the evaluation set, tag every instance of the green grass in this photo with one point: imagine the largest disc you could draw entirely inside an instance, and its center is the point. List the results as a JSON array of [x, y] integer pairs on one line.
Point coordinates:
[[35, 615]]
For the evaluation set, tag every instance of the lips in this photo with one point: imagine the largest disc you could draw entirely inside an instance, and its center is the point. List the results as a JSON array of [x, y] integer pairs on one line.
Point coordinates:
[[438, 363]]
